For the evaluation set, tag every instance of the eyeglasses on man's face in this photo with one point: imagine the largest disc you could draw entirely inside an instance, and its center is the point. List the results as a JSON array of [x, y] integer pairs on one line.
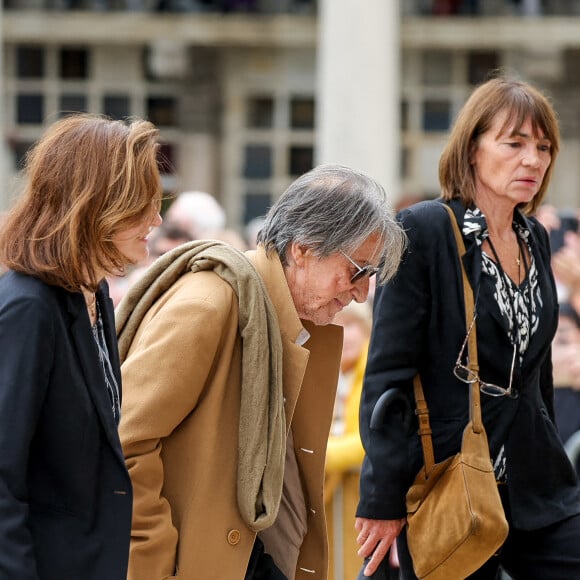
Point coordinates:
[[466, 375], [361, 271]]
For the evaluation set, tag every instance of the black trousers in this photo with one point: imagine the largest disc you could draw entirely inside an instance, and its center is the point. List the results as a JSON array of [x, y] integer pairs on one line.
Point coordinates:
[[261, 565], [551, 553]]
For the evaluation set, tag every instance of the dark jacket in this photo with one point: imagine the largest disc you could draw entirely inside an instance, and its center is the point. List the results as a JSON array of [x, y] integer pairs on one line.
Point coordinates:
[[419, 326], [65, 494]]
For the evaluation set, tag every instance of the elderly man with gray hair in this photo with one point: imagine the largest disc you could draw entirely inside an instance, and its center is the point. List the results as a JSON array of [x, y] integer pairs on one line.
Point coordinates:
[[230, 366]]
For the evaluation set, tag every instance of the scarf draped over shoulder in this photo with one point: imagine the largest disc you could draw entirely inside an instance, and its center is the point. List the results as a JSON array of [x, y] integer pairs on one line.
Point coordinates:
[[262, 429]]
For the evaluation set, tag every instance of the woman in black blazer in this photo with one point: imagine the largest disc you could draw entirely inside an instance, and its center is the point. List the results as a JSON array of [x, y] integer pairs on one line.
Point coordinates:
[[91, 197], [494, 173]]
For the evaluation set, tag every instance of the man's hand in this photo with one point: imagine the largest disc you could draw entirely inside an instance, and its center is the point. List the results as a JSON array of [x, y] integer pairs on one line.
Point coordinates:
[[375, 538]]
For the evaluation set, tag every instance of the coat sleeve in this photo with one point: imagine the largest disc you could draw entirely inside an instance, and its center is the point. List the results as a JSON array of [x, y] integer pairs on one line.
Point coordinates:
[[164, 376], [400, 322], [26, 339]]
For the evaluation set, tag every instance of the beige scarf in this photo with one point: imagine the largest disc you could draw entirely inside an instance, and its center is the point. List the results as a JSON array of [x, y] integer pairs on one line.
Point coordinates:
[[262, 430]]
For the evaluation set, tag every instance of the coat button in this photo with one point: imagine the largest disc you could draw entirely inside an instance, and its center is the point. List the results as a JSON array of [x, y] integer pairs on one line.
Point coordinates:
[[234, 537]]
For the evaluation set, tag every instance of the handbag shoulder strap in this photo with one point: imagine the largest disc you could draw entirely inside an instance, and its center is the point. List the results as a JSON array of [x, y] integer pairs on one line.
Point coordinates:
[[422, 412], [474, 396], [422, 409]]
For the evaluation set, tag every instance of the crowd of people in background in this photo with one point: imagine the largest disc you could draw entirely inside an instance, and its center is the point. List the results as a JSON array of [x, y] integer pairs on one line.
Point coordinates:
[[562, 226]]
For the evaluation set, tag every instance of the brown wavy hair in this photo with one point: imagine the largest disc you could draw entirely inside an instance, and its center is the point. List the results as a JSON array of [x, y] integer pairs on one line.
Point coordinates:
[[87, 178], [497, 96]]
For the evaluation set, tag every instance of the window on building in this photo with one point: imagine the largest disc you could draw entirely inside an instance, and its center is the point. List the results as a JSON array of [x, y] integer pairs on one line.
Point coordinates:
[[30, 62], [256, 205], [301, 160], [260, 113], [74, 63], [302, 113], [162, 111], [436, 115], [166, 158], [257, 161], [30, 109], [116, 106], [480, 65], [71, 103]]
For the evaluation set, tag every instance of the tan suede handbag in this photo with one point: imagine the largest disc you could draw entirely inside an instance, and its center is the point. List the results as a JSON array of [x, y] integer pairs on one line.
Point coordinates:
[[455, 518]]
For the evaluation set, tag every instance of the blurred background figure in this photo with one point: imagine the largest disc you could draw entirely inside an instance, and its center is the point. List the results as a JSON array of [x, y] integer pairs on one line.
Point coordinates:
[[562, 225], [166, 237], [196, 212], [251, 231], [345, 451], [566, 266], [566, 369]]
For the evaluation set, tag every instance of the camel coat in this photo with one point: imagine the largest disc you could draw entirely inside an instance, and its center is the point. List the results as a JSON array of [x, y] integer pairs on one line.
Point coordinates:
[[179, 428]]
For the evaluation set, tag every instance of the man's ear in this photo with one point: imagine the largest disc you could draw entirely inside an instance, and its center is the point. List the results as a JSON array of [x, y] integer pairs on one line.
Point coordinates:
[[298, 253]]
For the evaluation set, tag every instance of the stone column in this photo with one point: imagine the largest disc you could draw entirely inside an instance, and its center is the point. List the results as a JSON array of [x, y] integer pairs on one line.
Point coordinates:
[[358, 88], [199, 146]]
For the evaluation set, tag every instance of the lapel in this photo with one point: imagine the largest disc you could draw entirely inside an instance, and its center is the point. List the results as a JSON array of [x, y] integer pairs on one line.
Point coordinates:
[[472, 257], [547, 315], [308, 390], [321, 379], [472, 263], [88, 357]]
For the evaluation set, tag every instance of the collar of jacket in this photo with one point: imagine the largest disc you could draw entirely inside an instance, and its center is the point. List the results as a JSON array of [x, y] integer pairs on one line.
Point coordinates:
[[472, 256], [540, 252]]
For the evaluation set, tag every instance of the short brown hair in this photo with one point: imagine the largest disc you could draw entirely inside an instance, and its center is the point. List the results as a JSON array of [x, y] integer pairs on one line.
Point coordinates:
[[500, 95], [87, 178]]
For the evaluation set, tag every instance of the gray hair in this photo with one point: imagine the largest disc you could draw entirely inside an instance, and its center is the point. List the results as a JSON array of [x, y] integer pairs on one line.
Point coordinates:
[[334, 208]]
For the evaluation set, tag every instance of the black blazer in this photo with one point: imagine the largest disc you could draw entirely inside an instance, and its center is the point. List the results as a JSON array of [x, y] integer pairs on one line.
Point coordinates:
[[65, 494], [419, 327]]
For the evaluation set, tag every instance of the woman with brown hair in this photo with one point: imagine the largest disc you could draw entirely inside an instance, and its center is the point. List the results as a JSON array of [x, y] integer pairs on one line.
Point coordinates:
[[494, 173], [91, 198]]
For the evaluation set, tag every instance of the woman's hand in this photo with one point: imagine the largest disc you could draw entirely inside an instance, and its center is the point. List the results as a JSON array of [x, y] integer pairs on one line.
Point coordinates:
[[375, 538]]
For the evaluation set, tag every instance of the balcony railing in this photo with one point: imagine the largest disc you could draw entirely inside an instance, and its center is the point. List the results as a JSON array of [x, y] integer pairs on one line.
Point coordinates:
[[199, 6], [490, 7], [427, 8]]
